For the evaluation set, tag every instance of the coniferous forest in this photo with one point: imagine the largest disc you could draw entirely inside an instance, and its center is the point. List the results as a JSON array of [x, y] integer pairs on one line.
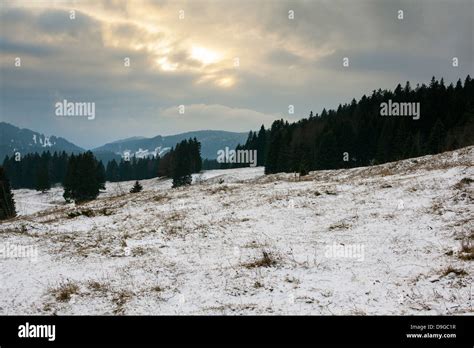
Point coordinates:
[[40, 172], [236, 158], [353, 135], [356, 135]]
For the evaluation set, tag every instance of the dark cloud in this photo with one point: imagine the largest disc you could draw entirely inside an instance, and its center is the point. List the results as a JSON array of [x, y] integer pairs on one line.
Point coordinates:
[[19, 48], [282, 61]]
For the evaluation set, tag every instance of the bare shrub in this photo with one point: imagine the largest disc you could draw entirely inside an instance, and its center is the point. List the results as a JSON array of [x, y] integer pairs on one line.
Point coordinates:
[[120, 299], [467, 250], [266, 260], [64, 291], [463, 182], [339, 226], [456, 271], [97, 286]]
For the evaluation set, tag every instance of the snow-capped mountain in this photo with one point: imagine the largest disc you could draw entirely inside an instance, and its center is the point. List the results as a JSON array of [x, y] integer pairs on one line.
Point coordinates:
[[211, 142], [14, 139]]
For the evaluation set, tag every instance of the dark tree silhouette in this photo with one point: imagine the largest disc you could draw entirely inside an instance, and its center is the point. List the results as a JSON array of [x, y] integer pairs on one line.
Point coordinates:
[[137, 187], [82, 178], [7, 203], [446, 122]]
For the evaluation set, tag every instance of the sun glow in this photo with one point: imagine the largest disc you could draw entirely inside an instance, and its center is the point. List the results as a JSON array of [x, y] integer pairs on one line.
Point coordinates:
[[165, 65], [204, 55], [225, 82]]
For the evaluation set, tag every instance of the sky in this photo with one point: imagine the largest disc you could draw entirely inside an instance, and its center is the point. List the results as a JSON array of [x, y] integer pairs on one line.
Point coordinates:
[[233, 65]]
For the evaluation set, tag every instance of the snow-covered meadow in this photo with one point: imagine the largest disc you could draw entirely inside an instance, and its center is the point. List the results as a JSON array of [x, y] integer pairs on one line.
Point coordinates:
[[388, 239]]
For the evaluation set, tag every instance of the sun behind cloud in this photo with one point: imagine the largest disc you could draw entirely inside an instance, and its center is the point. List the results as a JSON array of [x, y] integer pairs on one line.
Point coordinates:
[[204, 55]]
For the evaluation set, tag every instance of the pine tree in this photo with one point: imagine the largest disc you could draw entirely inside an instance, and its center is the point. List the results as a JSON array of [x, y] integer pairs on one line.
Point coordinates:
[[261, 146], [7, 203], [100, 175], [137, 187], [303, 171], [81, 182], [42, 177], [182, 164], [328, 156], [437, 137], [70, 179], [112, 172], [181, 180]]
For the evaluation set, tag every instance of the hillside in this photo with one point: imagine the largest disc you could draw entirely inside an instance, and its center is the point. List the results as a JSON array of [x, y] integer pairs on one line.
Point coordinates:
[[239, 242], [25, 141], [13, 139], [211, 142]]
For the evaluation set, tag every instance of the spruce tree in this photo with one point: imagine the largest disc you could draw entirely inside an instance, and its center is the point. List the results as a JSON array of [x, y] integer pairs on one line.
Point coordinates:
[[7, 203], [112, 172], [137, 187], [82, 182], [100, 175], [437, 138], [181, 164], [261, 146], [70, 179], [42, 177]]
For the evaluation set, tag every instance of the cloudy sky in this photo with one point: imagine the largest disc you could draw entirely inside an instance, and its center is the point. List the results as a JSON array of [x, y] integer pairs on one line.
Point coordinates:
[[233, 64]]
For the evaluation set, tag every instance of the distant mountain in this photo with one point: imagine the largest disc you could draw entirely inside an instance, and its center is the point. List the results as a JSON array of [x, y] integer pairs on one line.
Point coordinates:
[[211, 142], [127, 139], [14, 139]]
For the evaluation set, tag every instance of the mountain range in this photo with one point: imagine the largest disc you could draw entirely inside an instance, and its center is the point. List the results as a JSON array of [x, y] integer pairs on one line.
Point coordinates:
[[211, 142], [14, 139], [22, 140]]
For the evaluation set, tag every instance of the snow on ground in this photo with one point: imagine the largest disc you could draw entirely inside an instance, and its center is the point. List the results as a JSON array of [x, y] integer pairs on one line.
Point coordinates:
[[378, 240]]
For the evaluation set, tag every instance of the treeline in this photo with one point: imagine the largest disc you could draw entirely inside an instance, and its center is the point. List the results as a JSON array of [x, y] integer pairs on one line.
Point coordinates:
[[36, 171], [41, 171], [134, 169], [85, 177], [356, 135], [7, 203], [181, 162], [184, 158]]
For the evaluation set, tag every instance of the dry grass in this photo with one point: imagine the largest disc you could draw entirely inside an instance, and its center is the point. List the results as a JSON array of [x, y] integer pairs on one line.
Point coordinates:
[[266, 260], [89, 213], [174, 216], [64, 291], [221, 188], [157, 288], [120, 299], [97, 286], [139, 251], [161, 198], [463, 183], [339, 226], [437, 208], [467, 250], [385, 171], [456, 271]]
